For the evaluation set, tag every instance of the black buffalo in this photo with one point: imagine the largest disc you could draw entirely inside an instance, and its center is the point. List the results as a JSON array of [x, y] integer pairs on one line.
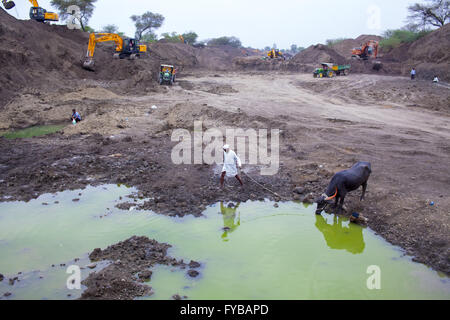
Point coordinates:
[[342, 183]]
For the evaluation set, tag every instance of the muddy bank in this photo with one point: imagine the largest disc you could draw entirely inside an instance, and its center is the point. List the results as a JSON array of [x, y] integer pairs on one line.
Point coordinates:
[[130, 268]]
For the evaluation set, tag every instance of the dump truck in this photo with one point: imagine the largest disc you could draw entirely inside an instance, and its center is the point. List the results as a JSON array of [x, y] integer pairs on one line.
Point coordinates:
[[329, 70]]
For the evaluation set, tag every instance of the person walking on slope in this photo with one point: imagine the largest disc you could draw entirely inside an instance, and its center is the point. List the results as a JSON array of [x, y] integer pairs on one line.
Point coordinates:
[[413, 73], [230, 163]]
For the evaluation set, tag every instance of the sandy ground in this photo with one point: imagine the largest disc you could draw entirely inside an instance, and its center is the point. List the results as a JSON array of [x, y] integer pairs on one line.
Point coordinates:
[[401, 127]]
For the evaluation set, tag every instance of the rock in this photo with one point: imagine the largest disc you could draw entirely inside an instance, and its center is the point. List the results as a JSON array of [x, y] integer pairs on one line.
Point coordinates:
[[299, 190], [193, 273], [75, 200], [7, 294], [145, 275], [194, 264], [92, 266], [1, 277], [276, 205], [176, 297]]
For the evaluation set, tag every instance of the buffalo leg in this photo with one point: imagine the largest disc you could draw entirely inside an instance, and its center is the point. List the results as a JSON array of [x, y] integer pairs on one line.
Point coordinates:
[[364, 187]]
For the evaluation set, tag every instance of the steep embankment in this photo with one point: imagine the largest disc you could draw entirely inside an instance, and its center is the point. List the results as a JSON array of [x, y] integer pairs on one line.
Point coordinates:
[[48, 57]]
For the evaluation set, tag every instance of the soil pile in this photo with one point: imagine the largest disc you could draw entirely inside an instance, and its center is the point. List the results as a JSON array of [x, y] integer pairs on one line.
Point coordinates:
[[175, 53], [219, 57], [430, 56], [344, 47], [318, 54], [48, 57]]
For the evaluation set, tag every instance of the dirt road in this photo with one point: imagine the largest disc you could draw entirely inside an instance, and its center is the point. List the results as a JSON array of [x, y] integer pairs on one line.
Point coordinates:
[[401, 127]]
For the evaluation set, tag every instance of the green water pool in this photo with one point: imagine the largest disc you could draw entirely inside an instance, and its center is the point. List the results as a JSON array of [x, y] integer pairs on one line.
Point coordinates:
[[251, 251], [32, 132]]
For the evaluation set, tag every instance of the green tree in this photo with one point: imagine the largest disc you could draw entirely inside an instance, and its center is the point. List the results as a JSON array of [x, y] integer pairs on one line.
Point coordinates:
[[149, 37], [435, 13], [225, 41], [190, 37], [86, 9], [173, 36], [147, 23], [110, 28]]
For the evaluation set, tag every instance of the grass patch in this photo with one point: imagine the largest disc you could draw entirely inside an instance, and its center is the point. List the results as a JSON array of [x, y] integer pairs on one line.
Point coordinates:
[[394, 38], [32, 132]]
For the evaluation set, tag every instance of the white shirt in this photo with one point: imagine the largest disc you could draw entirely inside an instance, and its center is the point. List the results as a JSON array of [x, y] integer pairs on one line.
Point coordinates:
[[230, 161]]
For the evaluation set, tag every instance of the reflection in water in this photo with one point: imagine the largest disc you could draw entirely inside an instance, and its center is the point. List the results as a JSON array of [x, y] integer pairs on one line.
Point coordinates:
[[341, 237], [229, 219]]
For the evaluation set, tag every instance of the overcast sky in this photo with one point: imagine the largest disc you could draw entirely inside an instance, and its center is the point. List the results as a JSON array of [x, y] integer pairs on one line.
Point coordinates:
[[258, 23]]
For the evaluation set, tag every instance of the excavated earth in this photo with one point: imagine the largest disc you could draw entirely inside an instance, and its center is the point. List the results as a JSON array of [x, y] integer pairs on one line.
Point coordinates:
[[326, 125]]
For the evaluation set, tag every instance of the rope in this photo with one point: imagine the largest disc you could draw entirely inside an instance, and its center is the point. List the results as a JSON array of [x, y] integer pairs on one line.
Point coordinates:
[[256, 182]]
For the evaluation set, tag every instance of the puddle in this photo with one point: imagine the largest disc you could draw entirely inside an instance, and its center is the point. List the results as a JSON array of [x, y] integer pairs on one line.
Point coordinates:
[[252, 251], [32, 132]]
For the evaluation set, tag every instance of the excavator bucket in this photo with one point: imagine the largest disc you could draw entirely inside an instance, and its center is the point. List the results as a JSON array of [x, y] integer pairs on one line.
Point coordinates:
[[88, 64], [8, 4]]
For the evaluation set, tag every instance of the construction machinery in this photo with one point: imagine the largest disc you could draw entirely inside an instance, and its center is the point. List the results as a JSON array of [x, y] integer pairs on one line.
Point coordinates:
[[275, 54], [125, 48], [366, 51], [36, 12], [329, 70], [167, 74]]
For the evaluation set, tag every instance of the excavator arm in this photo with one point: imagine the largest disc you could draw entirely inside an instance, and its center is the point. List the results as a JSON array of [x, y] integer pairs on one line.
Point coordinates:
[[95, 38]]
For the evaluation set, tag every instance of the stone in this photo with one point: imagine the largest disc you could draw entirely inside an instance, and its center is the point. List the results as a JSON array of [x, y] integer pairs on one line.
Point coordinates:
[[299, 190], [193, 273], [194, 264]]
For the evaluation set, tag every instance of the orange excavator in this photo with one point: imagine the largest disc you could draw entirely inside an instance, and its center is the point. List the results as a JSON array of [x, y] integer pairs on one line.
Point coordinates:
[[366, 51], [36, 13], [125, 48]]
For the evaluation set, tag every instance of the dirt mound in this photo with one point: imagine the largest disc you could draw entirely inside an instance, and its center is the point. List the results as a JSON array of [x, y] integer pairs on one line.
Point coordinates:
[[47, 57], [176, 53], [259, 64], [344, 48], [430, 56], [219, 57], [318, 54]]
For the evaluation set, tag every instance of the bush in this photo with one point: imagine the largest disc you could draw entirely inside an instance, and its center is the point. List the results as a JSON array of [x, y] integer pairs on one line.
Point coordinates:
[[225, 41], [394, 38]]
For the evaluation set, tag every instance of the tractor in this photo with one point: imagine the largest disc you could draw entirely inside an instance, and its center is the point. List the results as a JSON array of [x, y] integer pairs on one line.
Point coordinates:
[[167, 74], [329, 70]]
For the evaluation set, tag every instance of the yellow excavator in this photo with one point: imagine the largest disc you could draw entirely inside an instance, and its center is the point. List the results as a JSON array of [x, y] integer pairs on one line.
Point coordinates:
[[125, 48], [275, 54], [36, 13]]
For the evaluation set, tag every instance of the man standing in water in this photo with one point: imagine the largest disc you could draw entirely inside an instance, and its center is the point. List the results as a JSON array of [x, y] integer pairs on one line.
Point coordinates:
[[230, 160]]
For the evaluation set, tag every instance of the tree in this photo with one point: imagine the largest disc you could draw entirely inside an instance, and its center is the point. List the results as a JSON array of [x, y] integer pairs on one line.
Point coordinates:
[[146, 23], [173, 36], [110, 28], [86, 9], [149, 37], [225, 41], [190, 37], [435, 13], [294, 48]]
